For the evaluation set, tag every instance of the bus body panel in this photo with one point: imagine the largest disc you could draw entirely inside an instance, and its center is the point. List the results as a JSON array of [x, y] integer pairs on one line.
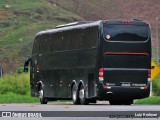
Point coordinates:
[[60, 63]]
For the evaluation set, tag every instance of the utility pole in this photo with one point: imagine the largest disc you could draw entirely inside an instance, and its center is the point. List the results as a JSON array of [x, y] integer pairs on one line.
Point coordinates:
[[157, 42]]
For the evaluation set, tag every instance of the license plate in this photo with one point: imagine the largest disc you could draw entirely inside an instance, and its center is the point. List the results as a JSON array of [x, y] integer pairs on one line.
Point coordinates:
[[126, 84]]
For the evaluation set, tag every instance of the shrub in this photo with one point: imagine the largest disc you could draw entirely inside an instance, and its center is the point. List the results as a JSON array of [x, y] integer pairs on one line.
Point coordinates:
[[156, 86], [20, 70], [16, 83]]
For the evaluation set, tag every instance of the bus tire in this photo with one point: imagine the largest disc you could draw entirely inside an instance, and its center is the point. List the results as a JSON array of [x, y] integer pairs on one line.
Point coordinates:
[[75, 96], [42, 99], [82, 96]]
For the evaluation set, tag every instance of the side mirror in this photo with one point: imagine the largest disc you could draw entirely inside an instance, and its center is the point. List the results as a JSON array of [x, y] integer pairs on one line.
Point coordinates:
[[26, 64], [25, 69]]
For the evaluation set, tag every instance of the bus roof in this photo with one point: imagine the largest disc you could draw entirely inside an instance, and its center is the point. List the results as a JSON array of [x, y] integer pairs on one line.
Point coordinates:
[[84, 24], [75, 25]]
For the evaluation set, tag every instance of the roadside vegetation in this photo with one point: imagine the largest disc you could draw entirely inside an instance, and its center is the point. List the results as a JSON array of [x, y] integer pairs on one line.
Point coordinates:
[[14, 88], [15, 83], [17, 98], [153, 100]]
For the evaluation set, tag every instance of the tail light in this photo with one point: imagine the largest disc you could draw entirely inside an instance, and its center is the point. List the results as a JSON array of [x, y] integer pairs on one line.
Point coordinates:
[[149, 73], [101, 73], [146, 87]]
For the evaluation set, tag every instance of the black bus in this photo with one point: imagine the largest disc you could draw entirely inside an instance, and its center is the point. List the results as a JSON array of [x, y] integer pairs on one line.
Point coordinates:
[[92, 60]]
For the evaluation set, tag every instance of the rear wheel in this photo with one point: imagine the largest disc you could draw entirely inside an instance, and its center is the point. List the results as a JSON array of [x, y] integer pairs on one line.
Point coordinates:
[[75, 96], [82, 96], [41, 96]]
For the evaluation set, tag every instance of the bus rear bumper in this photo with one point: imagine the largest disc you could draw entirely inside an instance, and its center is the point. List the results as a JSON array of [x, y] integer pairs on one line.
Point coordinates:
[[122, 92]]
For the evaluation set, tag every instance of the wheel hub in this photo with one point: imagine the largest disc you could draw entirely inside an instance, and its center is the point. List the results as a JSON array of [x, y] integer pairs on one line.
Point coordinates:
[[41, 94], [74, 95], [81, 94]]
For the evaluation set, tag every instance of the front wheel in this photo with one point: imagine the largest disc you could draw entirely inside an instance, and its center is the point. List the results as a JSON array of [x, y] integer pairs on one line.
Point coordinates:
[[41, 96], [82, 96]]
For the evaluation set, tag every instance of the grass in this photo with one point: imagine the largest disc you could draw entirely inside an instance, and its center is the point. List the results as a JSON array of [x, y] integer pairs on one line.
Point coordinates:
[[153, 100], [22, 4], [14, 88], [16, 98], [18, 84]]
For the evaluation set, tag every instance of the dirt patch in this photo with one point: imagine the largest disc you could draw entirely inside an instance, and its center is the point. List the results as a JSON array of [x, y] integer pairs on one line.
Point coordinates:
[[2, 14]]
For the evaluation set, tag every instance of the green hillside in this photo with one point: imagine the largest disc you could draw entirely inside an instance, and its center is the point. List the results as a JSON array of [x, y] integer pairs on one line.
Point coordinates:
[[20, 20]]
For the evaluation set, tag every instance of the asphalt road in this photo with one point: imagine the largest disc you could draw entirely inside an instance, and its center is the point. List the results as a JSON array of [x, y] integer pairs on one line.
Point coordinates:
[[68, 111]]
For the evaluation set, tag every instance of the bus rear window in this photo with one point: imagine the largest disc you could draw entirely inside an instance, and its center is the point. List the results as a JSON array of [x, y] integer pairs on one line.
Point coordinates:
[[125, 32]]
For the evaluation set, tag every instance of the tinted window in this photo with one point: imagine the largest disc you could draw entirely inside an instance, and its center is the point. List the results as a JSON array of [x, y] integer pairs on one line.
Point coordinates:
[[126, 32]]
